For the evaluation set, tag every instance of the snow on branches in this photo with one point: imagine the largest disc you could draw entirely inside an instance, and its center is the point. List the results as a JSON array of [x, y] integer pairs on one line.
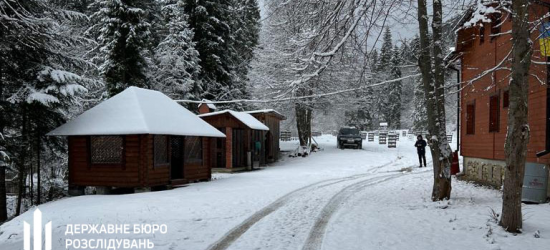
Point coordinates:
[[481, 10]]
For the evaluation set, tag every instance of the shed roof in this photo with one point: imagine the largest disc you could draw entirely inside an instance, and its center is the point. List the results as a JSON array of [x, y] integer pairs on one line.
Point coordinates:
[[209, 104], [138, 111], [245, 118], [267, 111]]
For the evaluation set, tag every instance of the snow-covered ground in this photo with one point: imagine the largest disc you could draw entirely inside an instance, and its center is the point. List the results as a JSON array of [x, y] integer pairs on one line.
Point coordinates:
[[333, 199]]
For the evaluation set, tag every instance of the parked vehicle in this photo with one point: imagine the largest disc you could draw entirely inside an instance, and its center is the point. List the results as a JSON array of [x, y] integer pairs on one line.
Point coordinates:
[[349, 136]]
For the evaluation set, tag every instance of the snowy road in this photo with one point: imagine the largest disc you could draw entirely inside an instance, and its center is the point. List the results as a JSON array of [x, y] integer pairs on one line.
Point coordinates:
[[334, 199], [290, 216]]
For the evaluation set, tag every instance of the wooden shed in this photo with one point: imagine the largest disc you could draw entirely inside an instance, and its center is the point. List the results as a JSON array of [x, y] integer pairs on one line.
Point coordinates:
[[244, 135], [137, 139], [484, 98], [272, 119]]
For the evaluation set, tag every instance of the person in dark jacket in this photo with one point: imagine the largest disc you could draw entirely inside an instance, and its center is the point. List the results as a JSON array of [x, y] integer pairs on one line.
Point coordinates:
[[421, 149]]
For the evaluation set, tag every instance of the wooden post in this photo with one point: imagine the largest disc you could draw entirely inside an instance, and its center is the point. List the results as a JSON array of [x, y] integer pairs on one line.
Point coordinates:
[[228, 148]]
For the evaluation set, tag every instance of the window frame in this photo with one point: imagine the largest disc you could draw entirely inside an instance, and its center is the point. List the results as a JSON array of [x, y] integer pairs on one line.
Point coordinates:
[[496, 25], [494, 105], [471, 121], [90, 144], [161, 164], [186, 160]]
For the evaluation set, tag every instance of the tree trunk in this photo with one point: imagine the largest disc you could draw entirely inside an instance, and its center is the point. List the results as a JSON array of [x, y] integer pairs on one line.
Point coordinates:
[[301, 123], [21, 163], [433, 82], [518, 128], [31, 183], [21, 176], [303, 119], [38, 171], [3, 205], [442, 174]]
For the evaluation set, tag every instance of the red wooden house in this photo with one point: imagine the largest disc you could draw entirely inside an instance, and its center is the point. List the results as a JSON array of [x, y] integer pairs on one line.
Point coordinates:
[[272, 119], [244, 137], [483, 47], [137, 139]]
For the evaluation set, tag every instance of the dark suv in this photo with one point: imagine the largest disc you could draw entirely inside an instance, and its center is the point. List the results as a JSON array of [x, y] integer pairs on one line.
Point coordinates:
[[349, 136]]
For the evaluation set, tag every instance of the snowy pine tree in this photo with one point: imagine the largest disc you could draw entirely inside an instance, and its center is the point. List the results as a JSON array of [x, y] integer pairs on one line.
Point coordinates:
[[245, 31], [419, 114], [383, 73], [208, 19], [386, 52], [394, 90], [226, 33], [39, 84], [176, 68], [123, 37]]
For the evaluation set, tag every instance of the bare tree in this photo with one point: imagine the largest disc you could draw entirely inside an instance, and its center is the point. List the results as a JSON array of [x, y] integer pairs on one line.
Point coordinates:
[[433, 80], [310, 42], [518, 127]]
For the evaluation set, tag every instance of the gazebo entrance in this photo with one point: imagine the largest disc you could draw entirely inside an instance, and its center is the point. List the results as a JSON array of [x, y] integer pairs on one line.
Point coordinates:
[[176, 161]]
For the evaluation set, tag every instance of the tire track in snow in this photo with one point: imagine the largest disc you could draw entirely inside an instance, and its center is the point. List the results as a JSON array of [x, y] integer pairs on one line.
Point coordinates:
[[317, 233], [238, 231]]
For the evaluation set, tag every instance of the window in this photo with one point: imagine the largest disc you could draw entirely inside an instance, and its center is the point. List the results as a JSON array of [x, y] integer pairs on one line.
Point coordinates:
[[161, 149], [481, 35], [494, 113], [106, 149], [193, 150], [505, 99], [470, 119]]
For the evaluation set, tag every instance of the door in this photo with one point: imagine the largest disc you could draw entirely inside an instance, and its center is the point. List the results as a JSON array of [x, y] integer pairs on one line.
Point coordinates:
[[176, 163], [239, 155]]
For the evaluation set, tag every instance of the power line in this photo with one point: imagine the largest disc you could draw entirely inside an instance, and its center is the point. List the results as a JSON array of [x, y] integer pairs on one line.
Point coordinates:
[[302, 97]]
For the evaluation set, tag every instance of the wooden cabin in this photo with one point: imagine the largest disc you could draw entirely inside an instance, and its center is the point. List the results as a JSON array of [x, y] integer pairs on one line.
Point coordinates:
[[137, 139], [244, 135], [272, 119], [484, 98]]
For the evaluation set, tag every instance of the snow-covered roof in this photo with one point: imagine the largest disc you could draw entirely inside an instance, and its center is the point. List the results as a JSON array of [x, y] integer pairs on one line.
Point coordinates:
[[209, 104], [266, 111], [245, 118], [480, 13], [138, 111]]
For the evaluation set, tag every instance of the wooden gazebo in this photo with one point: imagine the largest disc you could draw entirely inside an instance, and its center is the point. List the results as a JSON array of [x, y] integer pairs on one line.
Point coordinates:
[[137, 139]]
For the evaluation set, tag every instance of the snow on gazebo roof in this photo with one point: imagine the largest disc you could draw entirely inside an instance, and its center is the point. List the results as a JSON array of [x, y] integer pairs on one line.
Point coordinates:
[[245, 118], [137, 111], [209, 104]]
